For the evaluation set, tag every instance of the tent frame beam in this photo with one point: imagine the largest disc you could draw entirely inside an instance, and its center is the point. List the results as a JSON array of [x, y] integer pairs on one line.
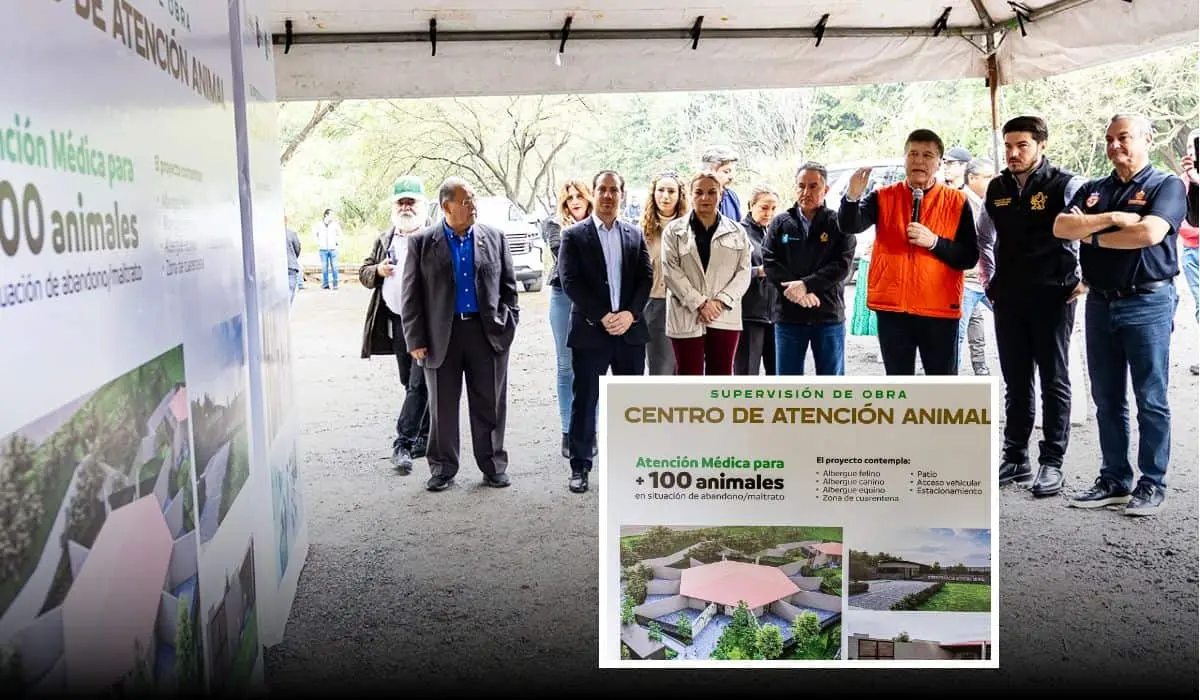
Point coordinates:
[[987, 28]]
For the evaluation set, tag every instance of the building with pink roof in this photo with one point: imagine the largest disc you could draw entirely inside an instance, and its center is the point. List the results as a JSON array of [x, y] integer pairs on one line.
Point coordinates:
[[110, 613], [728, 582]]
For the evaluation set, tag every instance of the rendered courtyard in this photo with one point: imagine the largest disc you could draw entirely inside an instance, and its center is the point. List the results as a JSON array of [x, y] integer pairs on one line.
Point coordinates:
[[732, 593]]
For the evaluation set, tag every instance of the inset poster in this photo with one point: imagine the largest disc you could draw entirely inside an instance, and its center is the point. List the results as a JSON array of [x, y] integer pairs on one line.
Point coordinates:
[[787, 523]]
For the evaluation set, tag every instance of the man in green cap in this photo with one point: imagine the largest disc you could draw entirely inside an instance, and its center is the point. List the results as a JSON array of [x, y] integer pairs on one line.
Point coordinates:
[[383, 334]]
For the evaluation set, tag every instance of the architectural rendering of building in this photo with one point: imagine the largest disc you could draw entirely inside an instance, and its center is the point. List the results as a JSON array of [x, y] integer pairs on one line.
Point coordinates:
[[864, 647]]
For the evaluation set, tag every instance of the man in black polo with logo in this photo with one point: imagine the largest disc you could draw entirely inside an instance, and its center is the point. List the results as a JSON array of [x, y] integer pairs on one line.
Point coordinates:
[[1127, 225], [1033, 290], [807, 257]]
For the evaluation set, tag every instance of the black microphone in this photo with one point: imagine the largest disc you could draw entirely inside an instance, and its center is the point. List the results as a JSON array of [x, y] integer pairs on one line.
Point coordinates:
[[918, 193]]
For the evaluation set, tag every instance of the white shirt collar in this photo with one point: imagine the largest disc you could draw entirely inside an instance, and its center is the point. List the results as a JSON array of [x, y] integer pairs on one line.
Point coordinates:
[[600, 224]]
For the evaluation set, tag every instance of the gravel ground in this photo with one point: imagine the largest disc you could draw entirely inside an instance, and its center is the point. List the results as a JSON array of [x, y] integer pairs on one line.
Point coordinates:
[[494, 590]]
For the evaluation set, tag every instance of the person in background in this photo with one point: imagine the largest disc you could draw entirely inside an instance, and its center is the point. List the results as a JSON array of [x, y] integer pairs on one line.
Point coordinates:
[[979, 172], [1127, 224], [293, 261], [808, 258], [1034, 285], [915, 282], [722, 162], [954, 168], [756, 345], [605, 269], [574, 205], [706, 267], [1189, 230], [328, 233], [666, 202], [383, 333]]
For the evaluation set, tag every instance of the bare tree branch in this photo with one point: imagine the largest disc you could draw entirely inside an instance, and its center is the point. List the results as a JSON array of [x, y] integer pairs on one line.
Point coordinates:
[[322, 110]]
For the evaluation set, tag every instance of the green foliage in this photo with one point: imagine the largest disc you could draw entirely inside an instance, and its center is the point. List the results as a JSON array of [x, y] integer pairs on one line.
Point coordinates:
[[187, 651], [683, 627], [806, 631], [739, 639], [707, 552], [635, 585], [654, 631], [627, 606], [625, 652], [914, 601], [832, 584], [769, 641]]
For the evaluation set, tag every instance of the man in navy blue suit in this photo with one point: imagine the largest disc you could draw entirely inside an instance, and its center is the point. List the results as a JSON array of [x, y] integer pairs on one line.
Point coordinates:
[[604, 268]]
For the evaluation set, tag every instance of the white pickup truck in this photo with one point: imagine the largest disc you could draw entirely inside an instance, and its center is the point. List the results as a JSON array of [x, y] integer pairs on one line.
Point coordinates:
[[520, 229]]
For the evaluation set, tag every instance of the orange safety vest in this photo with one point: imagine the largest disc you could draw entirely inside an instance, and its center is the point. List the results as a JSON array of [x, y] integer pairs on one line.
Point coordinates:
[[907, 278]]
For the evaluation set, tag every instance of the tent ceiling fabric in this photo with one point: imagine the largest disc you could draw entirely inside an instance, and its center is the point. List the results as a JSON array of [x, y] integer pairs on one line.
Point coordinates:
[[364, 49]]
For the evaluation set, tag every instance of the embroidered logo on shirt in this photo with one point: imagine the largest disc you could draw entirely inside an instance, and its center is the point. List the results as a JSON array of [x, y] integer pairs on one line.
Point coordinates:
[[1003, 201], [1139, 199], [786, 238], [824, 237], [1038, 201], [1092, 200]]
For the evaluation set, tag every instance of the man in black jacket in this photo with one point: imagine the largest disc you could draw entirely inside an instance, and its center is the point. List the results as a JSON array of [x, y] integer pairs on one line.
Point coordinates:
[[604, 266], [1033, 290], [808, 257]]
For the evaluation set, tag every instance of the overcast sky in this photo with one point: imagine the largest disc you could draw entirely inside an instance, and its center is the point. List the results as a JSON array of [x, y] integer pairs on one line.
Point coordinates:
[[933, 626], [924, 545]]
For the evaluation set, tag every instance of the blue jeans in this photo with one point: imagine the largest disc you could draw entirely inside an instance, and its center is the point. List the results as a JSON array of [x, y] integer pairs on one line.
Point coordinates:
[[293, 282], [328, 268], [1131, 339], [1191, 273], [971, 299], [828, 342], [560, 322]]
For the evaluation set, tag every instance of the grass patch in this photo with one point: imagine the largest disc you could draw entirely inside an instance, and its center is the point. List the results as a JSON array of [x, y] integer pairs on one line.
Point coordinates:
[[247, 653], [960, 597], [236, 472]]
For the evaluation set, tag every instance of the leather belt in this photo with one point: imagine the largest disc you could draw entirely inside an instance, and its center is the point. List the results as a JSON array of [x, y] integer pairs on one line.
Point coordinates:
[[1126, 292], [469, 316]]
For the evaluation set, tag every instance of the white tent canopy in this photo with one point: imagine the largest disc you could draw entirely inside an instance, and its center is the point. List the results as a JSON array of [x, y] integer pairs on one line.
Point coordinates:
[[363, 49]]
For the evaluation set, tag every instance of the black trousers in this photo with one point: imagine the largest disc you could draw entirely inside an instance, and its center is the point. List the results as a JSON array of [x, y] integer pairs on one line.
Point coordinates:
[[589, 364], [1033, 331], [412, 426], [756, 349], [902, 336], [469, 355]]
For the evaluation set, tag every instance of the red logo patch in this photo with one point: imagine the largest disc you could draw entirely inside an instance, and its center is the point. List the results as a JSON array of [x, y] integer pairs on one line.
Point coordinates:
[[1092, 200]]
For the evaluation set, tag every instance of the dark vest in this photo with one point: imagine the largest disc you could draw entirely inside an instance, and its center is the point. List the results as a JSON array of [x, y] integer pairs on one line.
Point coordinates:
[[1026, 252]]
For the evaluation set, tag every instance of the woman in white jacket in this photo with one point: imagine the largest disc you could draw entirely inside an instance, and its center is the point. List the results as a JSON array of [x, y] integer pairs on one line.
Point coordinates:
[[706, 267]]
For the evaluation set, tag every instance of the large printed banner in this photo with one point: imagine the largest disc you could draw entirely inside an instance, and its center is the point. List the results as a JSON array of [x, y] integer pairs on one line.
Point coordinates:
[[842, 523], [286, 547], [132, 535]]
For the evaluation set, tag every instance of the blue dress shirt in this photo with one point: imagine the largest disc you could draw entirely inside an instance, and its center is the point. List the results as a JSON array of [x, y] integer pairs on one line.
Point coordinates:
[[462, 256]]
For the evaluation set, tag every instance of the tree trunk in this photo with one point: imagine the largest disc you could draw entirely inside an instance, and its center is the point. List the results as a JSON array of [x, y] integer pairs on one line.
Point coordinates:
[[322, 110]]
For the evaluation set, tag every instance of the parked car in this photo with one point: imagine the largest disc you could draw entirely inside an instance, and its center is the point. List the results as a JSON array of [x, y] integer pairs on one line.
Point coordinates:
[[520, 230], [884, 171]]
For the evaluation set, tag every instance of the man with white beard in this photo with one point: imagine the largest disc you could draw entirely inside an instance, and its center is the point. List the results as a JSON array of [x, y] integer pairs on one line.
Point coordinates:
[[383, 334]]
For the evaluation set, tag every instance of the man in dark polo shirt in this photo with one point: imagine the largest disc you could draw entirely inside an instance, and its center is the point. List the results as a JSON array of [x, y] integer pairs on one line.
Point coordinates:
[[1127, 224], [1033, 290]]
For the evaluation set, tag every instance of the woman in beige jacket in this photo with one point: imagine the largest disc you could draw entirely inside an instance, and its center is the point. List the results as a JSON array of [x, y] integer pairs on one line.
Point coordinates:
[[706, 268]]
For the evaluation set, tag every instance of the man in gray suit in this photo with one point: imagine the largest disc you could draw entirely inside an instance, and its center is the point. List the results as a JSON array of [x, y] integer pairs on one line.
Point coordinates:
[[459, 315]]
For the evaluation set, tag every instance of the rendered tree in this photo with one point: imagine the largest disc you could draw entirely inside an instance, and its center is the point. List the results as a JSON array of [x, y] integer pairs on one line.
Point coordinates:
[[741, 634], [769, 642], [187, 659], [806, 630], [627, 606], [21, 506], [655, 631], [11, 672], [902, 637], [707, 552], [684, 627]]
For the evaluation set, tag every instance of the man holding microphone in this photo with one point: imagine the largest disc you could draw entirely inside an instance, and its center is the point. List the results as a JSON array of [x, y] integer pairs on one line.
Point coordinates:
[[924, 240]]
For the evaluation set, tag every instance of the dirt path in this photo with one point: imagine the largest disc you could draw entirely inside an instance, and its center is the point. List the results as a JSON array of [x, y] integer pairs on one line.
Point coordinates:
[[496, 589]]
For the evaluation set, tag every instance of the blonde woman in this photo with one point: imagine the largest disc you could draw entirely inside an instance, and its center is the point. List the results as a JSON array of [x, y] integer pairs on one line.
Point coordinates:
[[574, 205], [666, 202], [706, 268]]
